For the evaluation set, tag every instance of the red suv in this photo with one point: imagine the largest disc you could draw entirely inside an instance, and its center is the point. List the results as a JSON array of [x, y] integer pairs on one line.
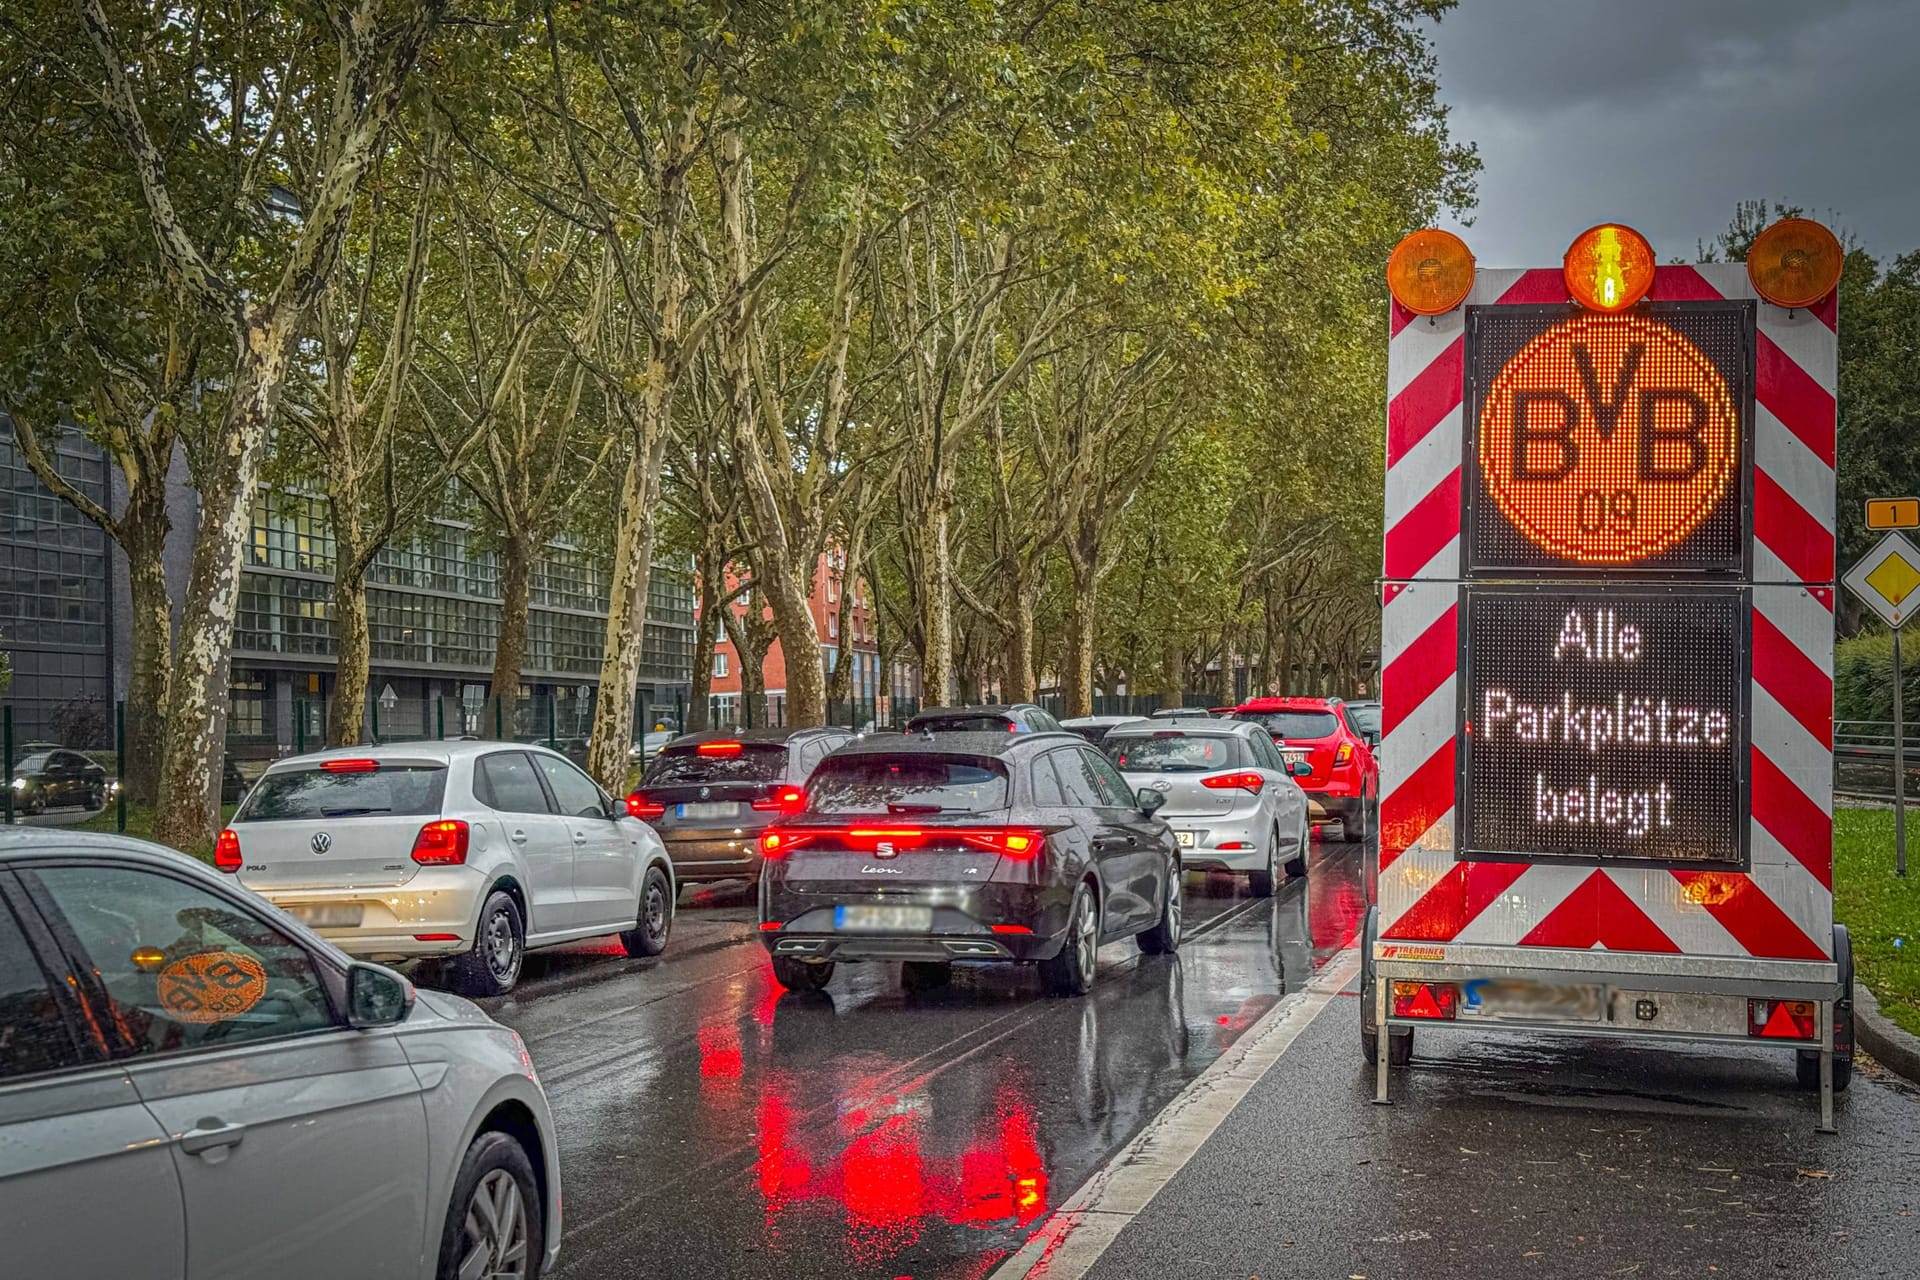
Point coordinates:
[[1345, 783]]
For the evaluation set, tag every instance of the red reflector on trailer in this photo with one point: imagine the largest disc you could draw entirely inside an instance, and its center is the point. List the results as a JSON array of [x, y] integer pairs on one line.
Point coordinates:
[[349, 766], [1435, 1000], [1782, 1019]]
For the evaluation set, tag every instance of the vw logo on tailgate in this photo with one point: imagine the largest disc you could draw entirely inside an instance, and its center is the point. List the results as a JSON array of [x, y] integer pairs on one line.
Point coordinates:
[[321, 842]]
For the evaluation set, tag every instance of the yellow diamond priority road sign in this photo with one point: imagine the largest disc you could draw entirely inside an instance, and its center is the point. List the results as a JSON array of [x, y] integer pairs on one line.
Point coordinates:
[[1888, 578]]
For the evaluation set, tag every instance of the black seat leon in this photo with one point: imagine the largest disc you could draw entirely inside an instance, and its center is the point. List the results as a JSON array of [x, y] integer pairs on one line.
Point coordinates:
[[966, 846]]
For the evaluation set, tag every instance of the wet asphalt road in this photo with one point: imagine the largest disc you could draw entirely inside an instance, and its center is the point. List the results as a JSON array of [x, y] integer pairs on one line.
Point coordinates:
[[712, 1125]]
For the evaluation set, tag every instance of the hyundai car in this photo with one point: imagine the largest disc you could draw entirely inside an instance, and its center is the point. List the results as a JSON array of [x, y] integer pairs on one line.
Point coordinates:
[[1343, 783], [1230, 797], [1025, 847]]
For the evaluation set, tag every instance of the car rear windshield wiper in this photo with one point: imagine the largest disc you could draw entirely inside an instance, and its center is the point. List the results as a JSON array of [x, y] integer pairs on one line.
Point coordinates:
[[902, 809], [353, 813]]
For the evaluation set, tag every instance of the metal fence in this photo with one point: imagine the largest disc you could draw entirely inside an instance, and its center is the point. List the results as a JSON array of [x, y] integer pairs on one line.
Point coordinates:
[[1863, 761]]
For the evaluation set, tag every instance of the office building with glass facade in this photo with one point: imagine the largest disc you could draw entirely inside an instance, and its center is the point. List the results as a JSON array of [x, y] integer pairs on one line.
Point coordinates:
[[434, 615]]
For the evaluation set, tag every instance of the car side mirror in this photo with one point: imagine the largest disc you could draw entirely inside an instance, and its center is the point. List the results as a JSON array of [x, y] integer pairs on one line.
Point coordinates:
[[376, 997], [1300, 769], [1149, 800]]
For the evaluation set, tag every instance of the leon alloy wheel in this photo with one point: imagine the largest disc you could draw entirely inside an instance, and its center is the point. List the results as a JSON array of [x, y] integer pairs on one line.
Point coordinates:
[[495, 1228], [1071, 972]]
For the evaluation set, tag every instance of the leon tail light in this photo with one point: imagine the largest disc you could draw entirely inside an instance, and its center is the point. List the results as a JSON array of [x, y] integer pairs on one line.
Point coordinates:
[[639, 806], [1246, 780], [1608, 267], [1344, 755], [1783, 1019], [226, 850], [349, 766], [718, 749], [441, 844], [775, 843], [1795, 262], [1433, 1000], [1430, 272], [782, 800], [1019, 843]]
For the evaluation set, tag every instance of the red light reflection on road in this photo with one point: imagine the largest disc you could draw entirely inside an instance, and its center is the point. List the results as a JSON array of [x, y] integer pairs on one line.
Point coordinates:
[[1334, 914], [885, 1182], [720, 1055]]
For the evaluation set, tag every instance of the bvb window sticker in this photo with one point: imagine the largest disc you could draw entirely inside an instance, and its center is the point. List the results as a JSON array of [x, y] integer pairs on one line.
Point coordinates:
[[211, 986], [1608, 439]]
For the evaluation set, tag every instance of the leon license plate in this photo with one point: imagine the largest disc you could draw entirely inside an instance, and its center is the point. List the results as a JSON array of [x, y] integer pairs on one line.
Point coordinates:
[[342, 916], [710, 809], [1542, 1001], [1184, 839], [883, 919]]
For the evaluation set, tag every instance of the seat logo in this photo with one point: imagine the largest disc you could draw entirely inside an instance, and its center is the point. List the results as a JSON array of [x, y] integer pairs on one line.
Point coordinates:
[[884, 849], [321, 842]]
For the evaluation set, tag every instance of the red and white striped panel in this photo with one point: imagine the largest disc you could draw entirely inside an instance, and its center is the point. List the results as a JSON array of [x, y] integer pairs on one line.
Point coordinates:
[[1782, 907]]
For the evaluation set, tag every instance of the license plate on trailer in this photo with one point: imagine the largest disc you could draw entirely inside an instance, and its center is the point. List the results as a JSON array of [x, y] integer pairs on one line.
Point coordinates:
[[883, 919], [708, 809], [342, 916], [1497, 1000], [1185, 839]]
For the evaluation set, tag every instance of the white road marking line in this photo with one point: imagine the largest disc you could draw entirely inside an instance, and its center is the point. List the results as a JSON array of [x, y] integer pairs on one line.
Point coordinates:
[[1072, 1239]]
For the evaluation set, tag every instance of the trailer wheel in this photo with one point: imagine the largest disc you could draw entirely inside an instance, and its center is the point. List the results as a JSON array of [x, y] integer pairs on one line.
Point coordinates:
[[1399, 1039], [1807, 1062], [1400, 1049]]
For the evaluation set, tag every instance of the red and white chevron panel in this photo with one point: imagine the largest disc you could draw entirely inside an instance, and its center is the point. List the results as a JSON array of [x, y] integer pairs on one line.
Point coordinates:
[[1782, 907]]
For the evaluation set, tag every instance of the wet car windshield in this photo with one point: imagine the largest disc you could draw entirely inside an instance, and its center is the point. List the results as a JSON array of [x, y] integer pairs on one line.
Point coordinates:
[[1294, 724], [963, 724], [1175, 752], [752, 762], [398, 790], [908, 784]]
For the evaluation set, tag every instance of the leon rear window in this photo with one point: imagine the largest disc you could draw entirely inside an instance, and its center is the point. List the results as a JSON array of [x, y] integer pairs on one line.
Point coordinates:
[[908, 784], [293, 794], [753, 762]]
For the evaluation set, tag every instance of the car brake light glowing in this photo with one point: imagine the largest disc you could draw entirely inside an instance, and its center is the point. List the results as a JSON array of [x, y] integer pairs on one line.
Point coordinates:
[[226, 850], [769, 926], [1011, 928], [436, 937], [775, 843], [1020, 843], [1343, 755], [441, 844], [782, 800], [1242, 780], [349, 766], [718, 748], [1782, 1019], [638, 806], [1433, 1000]]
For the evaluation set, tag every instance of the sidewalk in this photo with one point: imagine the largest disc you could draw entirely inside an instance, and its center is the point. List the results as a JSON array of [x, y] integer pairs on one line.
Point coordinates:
[[1506, 1157]]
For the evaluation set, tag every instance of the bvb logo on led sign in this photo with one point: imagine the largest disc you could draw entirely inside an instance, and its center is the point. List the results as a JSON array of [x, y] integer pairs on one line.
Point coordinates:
[[1608, 439]]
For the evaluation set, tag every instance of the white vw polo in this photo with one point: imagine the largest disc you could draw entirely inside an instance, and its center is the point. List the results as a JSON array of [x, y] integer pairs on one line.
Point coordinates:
[[473, 850]]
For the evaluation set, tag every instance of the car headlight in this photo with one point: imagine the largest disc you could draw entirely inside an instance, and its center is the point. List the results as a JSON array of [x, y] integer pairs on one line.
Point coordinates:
[[19, 784]]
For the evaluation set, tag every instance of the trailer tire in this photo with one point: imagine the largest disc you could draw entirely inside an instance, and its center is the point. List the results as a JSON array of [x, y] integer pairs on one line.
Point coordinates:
[[1399, 1039], [1807, 1062]]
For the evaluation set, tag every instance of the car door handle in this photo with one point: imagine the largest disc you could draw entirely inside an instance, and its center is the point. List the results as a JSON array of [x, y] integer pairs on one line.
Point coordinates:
[[211, 1134], [579, 837], [519, 837]]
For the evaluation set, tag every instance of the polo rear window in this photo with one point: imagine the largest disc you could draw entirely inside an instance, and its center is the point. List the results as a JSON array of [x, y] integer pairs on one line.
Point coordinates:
[[1176, 752], [399, 790]]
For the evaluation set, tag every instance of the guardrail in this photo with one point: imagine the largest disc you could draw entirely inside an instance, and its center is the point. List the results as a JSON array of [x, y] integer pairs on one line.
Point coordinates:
[[1863, 761]]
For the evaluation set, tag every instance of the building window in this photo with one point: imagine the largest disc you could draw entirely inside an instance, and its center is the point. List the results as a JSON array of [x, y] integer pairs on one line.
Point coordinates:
[[833, 625], [720, 665]]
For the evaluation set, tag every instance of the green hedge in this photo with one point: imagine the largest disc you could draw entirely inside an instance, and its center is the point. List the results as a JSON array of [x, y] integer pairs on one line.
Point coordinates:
[[1863, 678]]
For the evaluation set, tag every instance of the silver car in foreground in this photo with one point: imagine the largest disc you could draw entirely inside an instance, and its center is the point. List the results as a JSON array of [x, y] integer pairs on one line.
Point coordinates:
[[193, 1085], [1232, 801]]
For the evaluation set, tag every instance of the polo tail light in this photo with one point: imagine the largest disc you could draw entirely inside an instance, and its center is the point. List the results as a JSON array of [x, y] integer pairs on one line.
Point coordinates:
[[639, 806], [782, 800], [1240, 780], [441, 844], [226, 851]]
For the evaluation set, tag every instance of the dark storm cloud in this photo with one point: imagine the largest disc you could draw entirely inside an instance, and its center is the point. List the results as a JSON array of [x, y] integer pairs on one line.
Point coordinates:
[[1663, 115]]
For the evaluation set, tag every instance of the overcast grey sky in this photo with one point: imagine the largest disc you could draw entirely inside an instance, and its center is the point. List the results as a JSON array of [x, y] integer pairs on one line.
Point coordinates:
[[1662, 115]]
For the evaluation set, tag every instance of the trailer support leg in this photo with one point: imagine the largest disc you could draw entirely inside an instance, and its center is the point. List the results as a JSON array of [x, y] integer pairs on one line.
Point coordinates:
[[1826, 1068], [1380, 1045]]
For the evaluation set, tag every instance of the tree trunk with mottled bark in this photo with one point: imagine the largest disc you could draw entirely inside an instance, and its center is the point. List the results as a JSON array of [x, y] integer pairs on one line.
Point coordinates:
[[144, 535], [609, 750], [352, 639], [933, 598], [497, 717]]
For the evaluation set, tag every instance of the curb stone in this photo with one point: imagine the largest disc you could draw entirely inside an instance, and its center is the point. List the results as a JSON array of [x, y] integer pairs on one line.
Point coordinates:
[[1894, 1048]]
